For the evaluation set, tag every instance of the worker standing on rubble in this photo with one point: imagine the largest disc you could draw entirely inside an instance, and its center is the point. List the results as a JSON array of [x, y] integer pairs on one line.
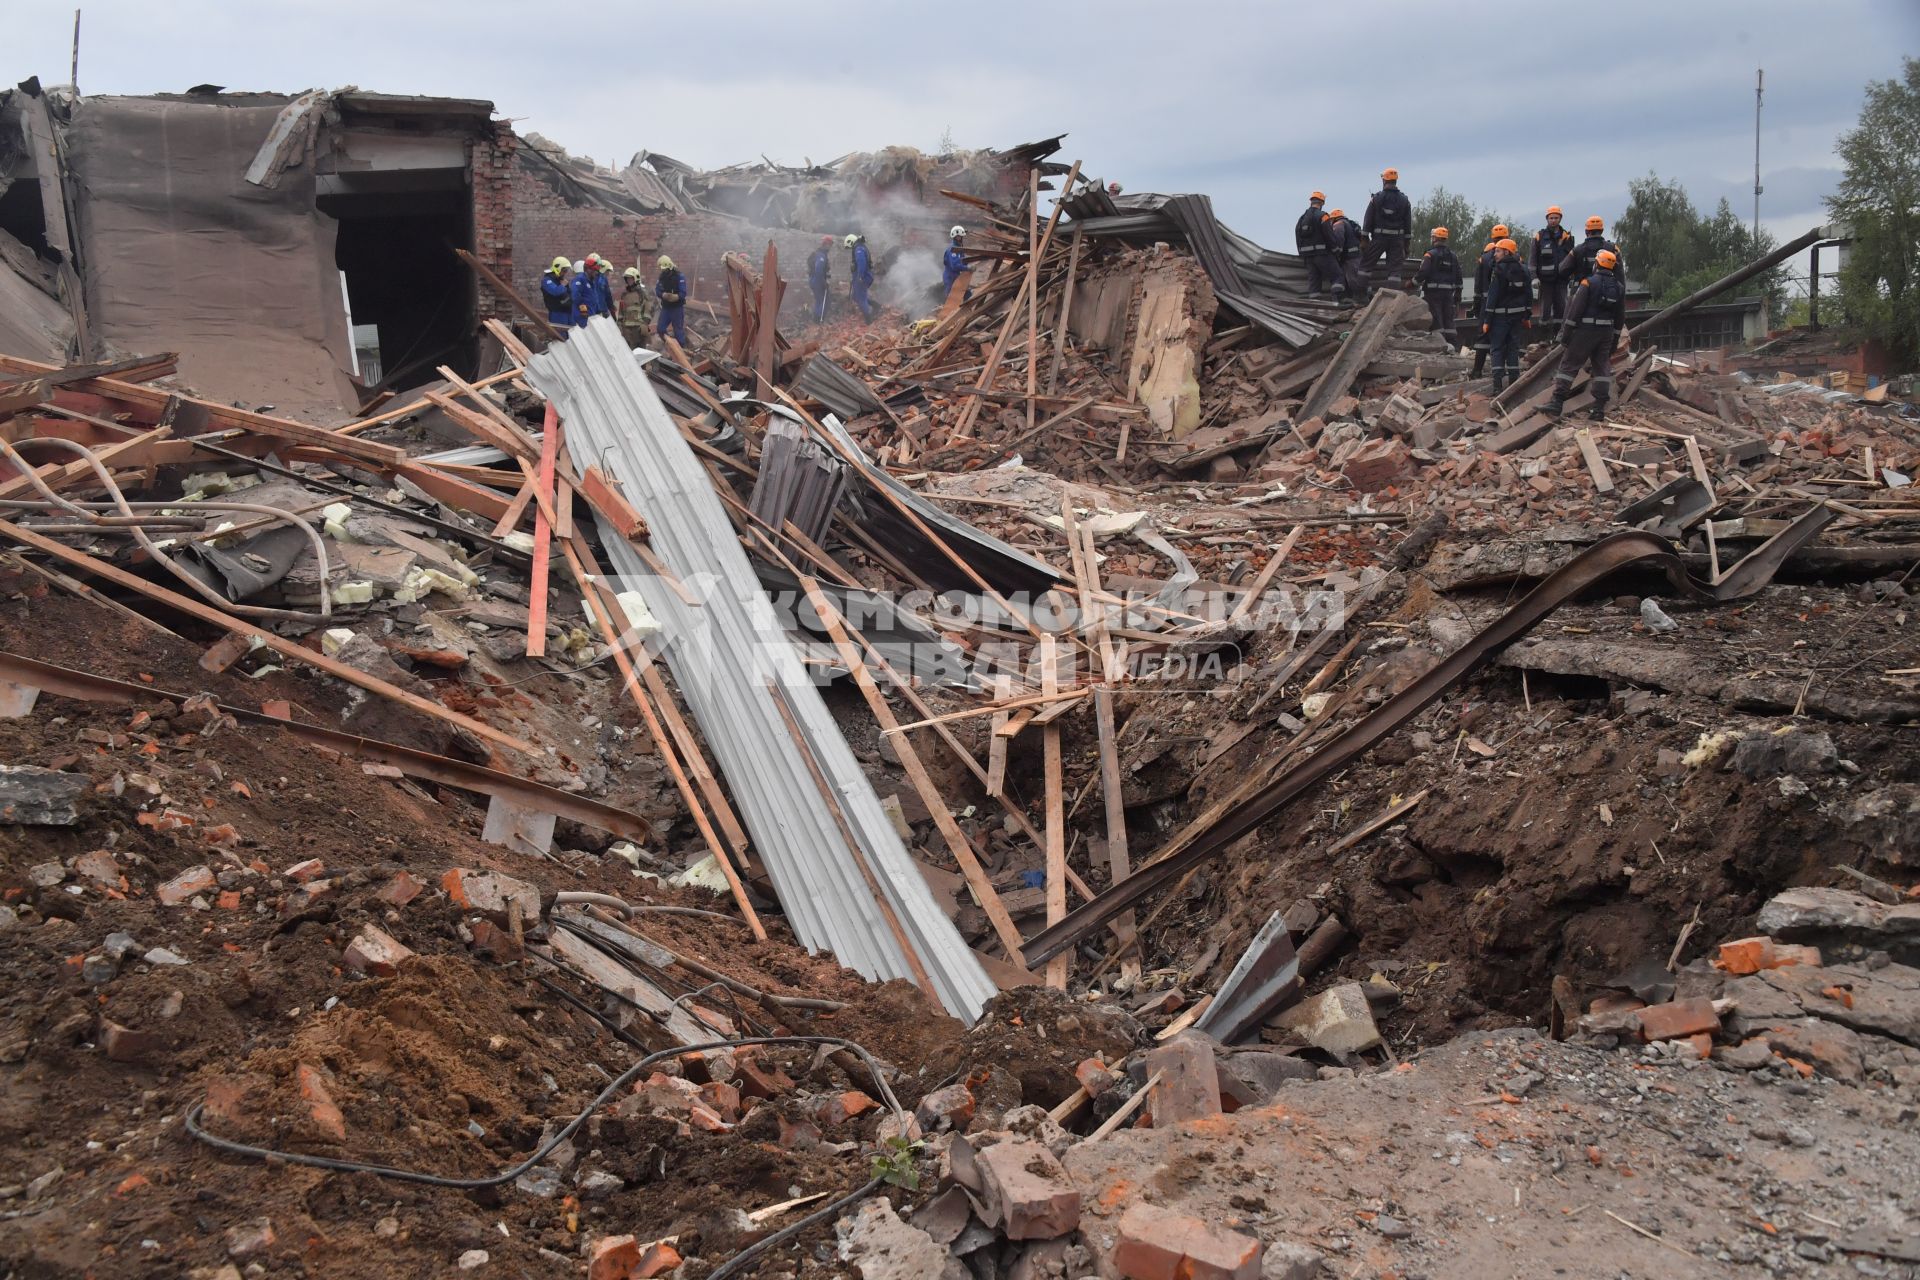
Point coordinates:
[[1439, 281], [1588, 252], [954, 262], [819, 272], [1315, 247], [1595, 317], [862, 268], [671, 289], [1508, 313], [1388, 225], [636, 307], [1348, 249], [1482, 271], [1552, 246], [556, 289]]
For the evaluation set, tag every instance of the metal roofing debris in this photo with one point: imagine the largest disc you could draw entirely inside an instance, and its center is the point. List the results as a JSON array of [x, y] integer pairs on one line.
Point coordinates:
[[800, 480], [823, 380], [1267, 974], [732, 662]]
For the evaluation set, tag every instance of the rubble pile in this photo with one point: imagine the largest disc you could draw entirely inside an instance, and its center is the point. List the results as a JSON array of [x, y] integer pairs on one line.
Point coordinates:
[[1052, 787]]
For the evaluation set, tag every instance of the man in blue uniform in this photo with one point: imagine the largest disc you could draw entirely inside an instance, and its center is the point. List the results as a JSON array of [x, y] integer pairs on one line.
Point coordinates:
[[599, 286], [1588, 251], [819, 272], [1316, 252], [1439, 281], [671, 289], [556, 290], [1508, 312], [1552, 246], [954, 262], [862, 268], [1388, 226], [1595, 317]]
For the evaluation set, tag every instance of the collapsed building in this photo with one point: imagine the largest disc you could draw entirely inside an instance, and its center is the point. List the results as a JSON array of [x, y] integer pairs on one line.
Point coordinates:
[[997, 792]]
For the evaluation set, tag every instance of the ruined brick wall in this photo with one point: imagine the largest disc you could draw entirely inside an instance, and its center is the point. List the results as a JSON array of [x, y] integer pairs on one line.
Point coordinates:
[[491, 163]]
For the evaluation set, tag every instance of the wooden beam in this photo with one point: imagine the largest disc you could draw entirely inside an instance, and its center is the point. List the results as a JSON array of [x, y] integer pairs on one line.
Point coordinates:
[[1056, 810], [510, 294], [129, 452], [542, 539], [1033, 295], [412, 406], [285, 648], [997, 740], [1066, 313], [1265, 579], [766, 334], [611, 504]]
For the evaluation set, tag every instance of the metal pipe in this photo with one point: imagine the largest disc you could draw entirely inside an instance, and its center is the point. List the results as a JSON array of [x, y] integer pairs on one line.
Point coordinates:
[[1813, 293], [1726, 282]]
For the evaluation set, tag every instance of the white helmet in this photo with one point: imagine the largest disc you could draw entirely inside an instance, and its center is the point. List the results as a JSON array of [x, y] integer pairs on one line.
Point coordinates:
[[958, 233], [579, 264], [851, 240]]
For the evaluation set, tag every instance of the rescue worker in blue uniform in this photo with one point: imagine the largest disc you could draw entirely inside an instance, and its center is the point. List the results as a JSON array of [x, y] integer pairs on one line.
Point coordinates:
[[1588, 252], [862, 269], [556, 290], [1439, 280], [1311, 242], [819, 272], [1481, 271], [954, 262], [1388, 226], [599, 286], [671, 289], [1595, 317], [1343, 240], [1552, 246], [1508, 313]]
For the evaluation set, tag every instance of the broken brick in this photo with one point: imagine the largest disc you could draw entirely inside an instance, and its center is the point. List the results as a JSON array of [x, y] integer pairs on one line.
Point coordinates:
[[842, 1107], [1745, 956], [1677, 1019], [490, 894], [376, 952], [313, 1091], [125, 1044], [798, 1135], [131, 1183], [229, 900], [1158, 1244], [757, 1080], [1377, 464], [1026, 1192], [1189, 1087], [184, 886], [723, 1098], [99, 866], [496, 943], [1095, 1076], [613, 1258], [400, 890], [950, 1107], [250, 1239], [301, 872], [226, 1098]]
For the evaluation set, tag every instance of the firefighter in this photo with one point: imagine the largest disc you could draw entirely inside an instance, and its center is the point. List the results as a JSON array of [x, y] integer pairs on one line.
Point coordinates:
[[862, 268], [636, 307], [1311, 242], [1588, 251], [556, 289], [1482, 270], [1439, 281], [1552, 246], [1343, 239], [1595, 317], [1508, 312], [953, 263], [599, 286], [671, 289], [819, 272], [1388, 226]]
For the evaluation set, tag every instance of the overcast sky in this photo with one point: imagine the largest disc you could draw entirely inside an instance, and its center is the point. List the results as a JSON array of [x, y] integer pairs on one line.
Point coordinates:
[[1252, 103]]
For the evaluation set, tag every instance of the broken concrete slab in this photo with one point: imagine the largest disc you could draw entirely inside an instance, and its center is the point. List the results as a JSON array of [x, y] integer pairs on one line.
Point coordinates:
[[493, 895], [32, 796], [1816, 914], [1338, 1020], [1026, 1192], [882, 1247], [1189, 1087]]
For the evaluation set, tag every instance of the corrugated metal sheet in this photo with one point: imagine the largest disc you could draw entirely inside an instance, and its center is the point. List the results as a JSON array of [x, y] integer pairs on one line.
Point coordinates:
[[840, 391], [730, 659]]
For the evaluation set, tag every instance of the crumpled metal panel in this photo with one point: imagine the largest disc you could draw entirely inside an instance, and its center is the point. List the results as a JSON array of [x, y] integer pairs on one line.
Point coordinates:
[[731, 660]]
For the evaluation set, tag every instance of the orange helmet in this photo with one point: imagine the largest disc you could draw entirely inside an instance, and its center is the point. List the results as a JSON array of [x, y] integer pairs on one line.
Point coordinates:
[[1318, 195], [1508, 245], [1596, 223], [1439, 233], [1336, 213], [1389, 175], [1606, 258], [1500, 231], [1553, 211]]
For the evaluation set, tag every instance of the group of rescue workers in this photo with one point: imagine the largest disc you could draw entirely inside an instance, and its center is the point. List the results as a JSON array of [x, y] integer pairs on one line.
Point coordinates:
[[575, 292], [1582, 285]]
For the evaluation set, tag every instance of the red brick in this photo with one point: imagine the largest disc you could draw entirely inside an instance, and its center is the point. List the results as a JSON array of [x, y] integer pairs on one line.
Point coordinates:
[[798, 1135], [951, 1107], [613, 1258], [301, 872], [1157, 1244], [400, 890], [313, 1091], [184, 886], [226, 1099], [1026, 1192], [758, 1080], [1378, 464], [723, 1098], [124, 1044], [1094, 1076], [99, 867], [1189, 1087], [228, 900], [250, 1239], [490, 894], [131, 1183], [842, 1107], [491, 940], [657, 1260], [376, 952], [1677, 1019]]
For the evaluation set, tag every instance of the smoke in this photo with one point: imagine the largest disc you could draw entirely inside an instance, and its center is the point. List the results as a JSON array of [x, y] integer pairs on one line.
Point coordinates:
[[907, 240]]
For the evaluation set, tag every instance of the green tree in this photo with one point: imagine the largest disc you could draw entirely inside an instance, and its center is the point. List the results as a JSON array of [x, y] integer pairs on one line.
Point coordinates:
[[1879, 199], [1441, 208], [1671, 250]]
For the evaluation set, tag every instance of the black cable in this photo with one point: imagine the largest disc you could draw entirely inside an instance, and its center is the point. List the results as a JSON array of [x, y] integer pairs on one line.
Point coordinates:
[[192, 1119], [732, 1266]]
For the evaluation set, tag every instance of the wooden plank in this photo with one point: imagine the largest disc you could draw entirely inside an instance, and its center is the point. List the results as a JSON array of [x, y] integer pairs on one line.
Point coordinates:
[[612, 975], [518, 508], [766, 333], [482, 428], [1596, 465], [997, 742], [922, 781], [542, 539], [131, 451], [410, 407], [1265, 580], [1387, 818], [1119, 862], [508, 292], [611, 504], [23, 393], [1033, 294], [1698, 464], [285, 648], [456, 492], [1377, 321], [517, 351], [1056, 813], [1066, 314]]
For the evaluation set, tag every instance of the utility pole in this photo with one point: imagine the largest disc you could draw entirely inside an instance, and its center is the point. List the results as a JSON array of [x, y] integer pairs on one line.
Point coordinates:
[[1759, 80]]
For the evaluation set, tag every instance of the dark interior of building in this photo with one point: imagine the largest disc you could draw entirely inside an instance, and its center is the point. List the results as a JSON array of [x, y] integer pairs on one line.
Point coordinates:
[[397, 252]]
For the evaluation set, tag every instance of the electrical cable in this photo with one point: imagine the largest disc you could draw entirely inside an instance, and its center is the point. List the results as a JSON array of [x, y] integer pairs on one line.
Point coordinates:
[[731, 1267]]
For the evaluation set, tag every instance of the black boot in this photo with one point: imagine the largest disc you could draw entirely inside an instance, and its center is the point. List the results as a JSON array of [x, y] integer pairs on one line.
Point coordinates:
[[1554, 407], [1499, 381], [1598, 412]]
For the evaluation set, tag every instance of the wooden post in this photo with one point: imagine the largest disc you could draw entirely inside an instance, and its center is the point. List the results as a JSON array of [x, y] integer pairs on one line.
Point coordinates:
[[1066, 311], [1056, 825], [1033, 290], [542, 540]]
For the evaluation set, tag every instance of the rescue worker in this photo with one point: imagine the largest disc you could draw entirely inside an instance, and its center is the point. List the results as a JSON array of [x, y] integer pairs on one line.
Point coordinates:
[[1552, 246], [1508, 313], [671, 289], [1588, 251], [954, 262], [1439, 281], [1347, 248], [1481, 271], [1388, 226], [636, 307], [862, 269], [819, 272], [582, 292], [556, 289], [599, 286], [1311, 242], [1595, 318]]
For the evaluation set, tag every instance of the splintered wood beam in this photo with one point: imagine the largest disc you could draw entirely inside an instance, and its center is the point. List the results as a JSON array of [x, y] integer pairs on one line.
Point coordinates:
[[1066, 313], [542, 538], [1265, 580], [1056, 823]]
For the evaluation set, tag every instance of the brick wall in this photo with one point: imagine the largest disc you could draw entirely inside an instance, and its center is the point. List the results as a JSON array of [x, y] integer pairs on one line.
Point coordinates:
[[491, 163]]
